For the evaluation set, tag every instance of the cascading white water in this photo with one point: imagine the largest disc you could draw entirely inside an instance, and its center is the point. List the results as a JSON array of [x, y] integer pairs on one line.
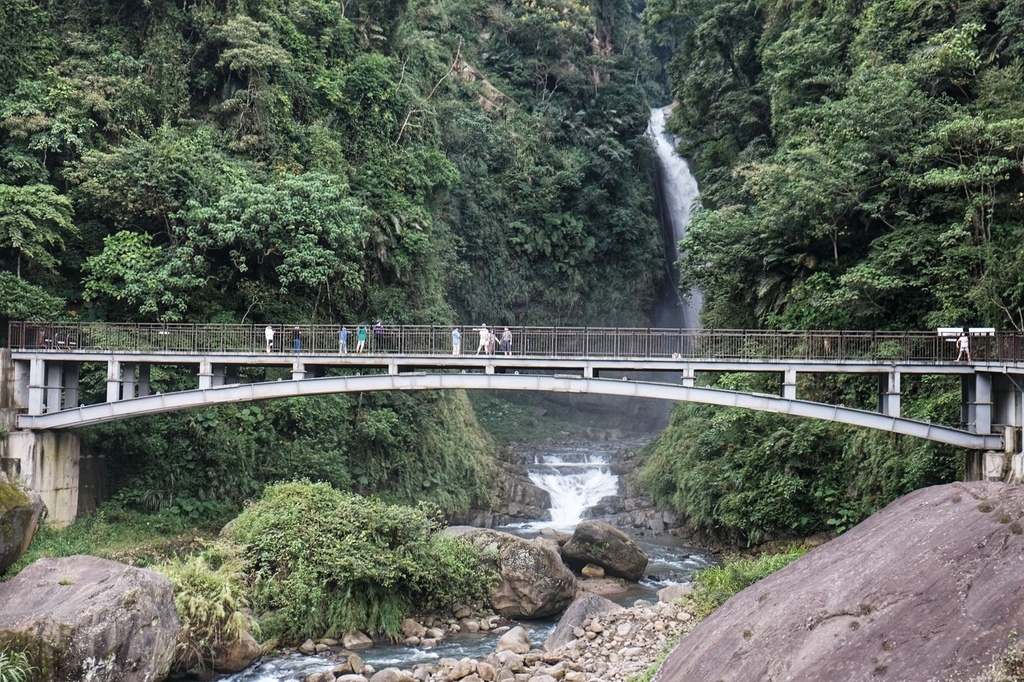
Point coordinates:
[[577, 478], [678, 195]]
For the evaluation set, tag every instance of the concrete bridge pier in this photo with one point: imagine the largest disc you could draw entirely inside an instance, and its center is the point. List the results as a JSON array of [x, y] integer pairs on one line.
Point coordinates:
[[889, 393], [46, 461]]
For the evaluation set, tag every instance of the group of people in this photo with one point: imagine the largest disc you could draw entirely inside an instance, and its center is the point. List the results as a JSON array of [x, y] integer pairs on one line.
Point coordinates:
[[362, 336], [488, 341]]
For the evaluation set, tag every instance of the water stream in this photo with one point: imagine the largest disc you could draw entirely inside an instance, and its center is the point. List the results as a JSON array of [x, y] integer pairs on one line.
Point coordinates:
[[677, 196], [578, 476]]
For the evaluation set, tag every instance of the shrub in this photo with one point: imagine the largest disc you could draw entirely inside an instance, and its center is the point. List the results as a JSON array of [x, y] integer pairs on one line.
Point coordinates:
[[209, 596], [322, 562]]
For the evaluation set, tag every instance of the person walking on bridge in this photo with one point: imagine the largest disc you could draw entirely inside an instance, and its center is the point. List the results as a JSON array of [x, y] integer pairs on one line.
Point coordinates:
[[485, 336], [963, 344], [296, 339], [361, 335], [343, 340], [506, 341], [268, 334], [456, 341]]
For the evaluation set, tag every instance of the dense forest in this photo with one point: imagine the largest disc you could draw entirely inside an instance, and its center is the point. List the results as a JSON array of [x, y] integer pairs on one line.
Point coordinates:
[[861, 166], [321, 161]]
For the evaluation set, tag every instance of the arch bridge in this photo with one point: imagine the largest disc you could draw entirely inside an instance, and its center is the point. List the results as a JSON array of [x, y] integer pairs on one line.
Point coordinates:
[[45, 404]]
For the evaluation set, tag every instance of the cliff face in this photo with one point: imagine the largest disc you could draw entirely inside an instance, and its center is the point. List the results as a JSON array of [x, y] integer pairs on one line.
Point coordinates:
[[926, 589]]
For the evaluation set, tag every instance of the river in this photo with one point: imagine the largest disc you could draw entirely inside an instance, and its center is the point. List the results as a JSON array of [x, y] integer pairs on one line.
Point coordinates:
[[577, 475]]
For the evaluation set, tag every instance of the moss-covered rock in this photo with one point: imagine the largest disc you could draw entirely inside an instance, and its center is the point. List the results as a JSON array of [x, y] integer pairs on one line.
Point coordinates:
[[20, 512], [85, 618]]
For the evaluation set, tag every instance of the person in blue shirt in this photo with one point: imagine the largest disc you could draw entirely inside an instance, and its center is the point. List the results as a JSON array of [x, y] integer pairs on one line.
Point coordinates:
[[343, 340], [456, 341]]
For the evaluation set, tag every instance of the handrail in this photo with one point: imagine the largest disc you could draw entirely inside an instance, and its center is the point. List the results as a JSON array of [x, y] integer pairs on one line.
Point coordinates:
[[735, 344]]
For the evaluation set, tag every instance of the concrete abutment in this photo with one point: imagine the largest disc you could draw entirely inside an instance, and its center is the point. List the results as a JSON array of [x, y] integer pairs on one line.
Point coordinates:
[[46, 461]]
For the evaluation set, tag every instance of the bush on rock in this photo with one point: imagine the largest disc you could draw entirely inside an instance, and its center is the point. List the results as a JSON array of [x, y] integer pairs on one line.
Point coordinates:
[[323, 562]]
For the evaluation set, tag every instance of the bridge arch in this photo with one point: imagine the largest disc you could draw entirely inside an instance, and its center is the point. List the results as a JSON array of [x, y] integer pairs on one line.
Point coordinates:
[[155, 404]]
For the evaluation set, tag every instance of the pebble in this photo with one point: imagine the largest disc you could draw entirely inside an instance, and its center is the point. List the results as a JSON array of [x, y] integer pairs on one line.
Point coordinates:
[[615, 648]]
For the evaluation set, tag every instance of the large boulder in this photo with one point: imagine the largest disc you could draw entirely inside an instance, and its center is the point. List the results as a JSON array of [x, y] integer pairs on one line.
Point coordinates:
[[586, 605], [84, 618], [928, 588], [596, 542], [20, 511], [534, 582]]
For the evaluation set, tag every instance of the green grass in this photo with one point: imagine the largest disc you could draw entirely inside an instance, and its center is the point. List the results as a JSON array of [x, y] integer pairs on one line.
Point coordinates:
[[15, 666], [113, 533], [715, 584]]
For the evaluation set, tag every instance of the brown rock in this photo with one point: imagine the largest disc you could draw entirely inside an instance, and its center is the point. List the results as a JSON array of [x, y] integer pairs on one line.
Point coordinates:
[[534, 582], [928, 588], [597, 542]]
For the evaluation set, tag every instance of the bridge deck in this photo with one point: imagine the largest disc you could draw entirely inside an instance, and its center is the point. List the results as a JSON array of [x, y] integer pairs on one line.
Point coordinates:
[[653, 363]]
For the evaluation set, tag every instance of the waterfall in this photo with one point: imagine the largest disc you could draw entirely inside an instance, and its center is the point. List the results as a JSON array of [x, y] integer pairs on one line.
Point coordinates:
[[577, 477], [677, 195]]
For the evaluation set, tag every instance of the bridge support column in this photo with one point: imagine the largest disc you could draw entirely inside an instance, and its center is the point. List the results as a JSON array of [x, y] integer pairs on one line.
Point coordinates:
[[217, 372], [205, 374], [143, 379], [71, 370], [113, 381], [36, 386], [128, 383], [54, 385], [688, 377], [298, 370], [48, 461], [789, 384], [889, 394], [976, 403]]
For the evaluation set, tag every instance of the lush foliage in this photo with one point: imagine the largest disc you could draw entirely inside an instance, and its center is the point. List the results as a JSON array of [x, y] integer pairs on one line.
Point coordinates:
[[15, 666], [209, 595], [750, 476], [715, 584], [401, 447], [322, 562], [860, 167], [321, 161]]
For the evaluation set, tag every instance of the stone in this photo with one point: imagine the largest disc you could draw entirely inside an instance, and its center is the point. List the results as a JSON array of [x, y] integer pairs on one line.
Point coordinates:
[[584, 607], [516, 640], [462, 668], [410, 628], [927, 588], [592, 571], [389, 675], [232, 657], [486, 671], [20, 511], [308, 647], [86, 618], [351, 677], [600, 543], [534, 583], [674, 593], [356, 640]]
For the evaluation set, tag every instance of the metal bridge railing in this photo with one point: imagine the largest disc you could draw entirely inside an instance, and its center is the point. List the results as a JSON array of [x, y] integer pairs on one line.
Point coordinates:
[[726, 344]]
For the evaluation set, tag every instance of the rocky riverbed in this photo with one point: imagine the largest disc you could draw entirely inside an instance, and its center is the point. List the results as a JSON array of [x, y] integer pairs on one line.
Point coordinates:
[[612, 645]]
